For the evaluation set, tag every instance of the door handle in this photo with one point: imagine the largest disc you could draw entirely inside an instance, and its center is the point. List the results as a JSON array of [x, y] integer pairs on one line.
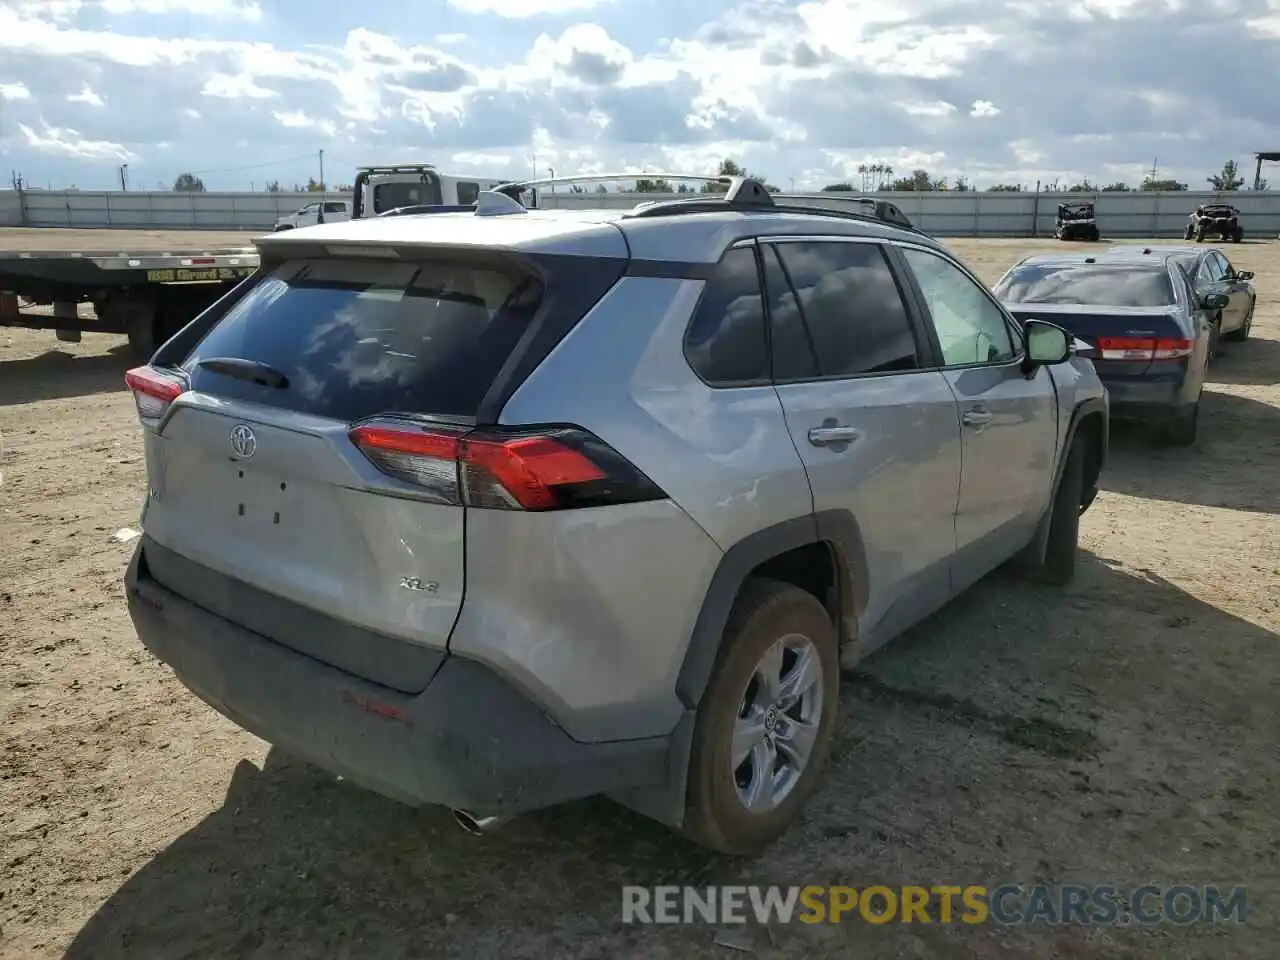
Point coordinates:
[[976, 418], [821, 436]]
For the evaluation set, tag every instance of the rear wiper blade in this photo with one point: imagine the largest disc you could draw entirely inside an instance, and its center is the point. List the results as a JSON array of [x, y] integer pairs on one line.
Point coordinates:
[[252, 370]]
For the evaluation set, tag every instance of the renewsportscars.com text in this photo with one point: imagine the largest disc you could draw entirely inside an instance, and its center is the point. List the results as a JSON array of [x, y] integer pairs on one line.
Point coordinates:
[[1008, 904]]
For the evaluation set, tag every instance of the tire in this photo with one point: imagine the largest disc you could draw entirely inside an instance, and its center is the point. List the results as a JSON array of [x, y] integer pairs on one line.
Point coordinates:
[[142, 339], [1237, 235], [1188, 233], [1181, 431], [1241, 334], [1059, 563], [1199, 236], [1094, 235], [765, 614]]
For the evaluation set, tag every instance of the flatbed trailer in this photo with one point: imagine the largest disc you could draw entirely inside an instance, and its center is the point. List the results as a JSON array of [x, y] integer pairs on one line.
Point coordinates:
[[147, 295]]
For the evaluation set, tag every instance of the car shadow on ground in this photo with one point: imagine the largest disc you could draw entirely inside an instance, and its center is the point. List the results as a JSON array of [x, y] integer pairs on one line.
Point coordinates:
[[1233, 463], [1256, 362], [55, 374], [295, 863]]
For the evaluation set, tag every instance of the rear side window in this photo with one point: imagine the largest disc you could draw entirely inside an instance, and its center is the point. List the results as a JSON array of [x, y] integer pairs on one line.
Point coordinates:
[[354, 338], [468, 192], [335, 206], [836, 311], [725, 342], [1110, 285]]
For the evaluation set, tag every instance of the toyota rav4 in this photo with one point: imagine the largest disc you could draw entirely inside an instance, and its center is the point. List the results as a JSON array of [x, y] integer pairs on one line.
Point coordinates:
[[503, 508]]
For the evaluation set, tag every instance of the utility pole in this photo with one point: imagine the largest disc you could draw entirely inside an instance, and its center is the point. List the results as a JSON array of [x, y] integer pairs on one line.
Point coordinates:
[[320, 215], [124, 178]]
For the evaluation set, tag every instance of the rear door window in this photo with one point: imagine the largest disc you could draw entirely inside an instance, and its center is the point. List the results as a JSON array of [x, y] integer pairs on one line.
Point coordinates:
[[835, 311], [354, 338]]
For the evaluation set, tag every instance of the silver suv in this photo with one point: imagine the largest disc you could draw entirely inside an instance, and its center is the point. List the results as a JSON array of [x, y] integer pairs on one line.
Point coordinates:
[[503, 508]]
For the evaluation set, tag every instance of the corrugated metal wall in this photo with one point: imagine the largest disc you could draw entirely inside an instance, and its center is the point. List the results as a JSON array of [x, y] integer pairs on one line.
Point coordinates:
[[943, 214]]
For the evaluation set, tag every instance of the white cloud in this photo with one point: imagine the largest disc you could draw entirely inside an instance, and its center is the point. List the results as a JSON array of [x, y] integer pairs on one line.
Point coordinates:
[[521, 9], [62, 141], [930, 108], [984, 109], [86, 96], [229, 87], [483, 161], [297, 120], [14, 91], [231, 9]]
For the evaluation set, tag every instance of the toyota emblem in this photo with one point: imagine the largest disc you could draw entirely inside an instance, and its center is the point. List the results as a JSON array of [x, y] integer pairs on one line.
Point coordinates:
[[243, 442]]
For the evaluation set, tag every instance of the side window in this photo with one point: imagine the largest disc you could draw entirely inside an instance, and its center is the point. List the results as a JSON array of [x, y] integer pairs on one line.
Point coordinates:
[[1222, 265], [970, 327], [1213, 271], [335, 206], [836, 311], [468, 192], [725, 341]]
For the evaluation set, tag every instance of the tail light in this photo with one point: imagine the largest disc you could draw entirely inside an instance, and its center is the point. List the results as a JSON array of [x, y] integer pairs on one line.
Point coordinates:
[[153, 391], [1143, 348], [551, 468]]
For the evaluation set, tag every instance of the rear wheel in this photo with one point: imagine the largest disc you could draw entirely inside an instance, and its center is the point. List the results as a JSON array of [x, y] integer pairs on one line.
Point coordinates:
[[1094, 236], [1200, 234], [1182, 430], [765, 722], [1237, 234], [1187, 233]]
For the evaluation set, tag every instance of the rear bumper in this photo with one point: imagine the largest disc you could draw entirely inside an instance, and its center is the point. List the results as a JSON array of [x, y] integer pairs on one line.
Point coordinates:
[[1152, 401], [471, 741]]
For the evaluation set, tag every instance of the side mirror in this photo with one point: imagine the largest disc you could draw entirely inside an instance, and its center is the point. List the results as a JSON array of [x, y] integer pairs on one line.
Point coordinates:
[[1047, 343], [1244, 275], [1214, 301]]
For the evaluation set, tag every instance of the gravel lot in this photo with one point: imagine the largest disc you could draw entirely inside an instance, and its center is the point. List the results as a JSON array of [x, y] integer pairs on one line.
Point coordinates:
[[1120, 731]]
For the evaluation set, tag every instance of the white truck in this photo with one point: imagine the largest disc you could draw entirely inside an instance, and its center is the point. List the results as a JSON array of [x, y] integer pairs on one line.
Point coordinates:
[[381, 189]]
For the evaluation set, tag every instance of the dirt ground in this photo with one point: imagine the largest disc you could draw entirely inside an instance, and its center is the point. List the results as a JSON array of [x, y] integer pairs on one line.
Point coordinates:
[[1120, 731]]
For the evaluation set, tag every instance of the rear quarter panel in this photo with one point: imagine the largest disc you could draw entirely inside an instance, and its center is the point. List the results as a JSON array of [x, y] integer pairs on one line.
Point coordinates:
[[600, 628]]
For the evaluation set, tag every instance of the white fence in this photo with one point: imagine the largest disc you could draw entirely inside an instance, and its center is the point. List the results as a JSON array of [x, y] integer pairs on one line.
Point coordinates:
[[947, 214]]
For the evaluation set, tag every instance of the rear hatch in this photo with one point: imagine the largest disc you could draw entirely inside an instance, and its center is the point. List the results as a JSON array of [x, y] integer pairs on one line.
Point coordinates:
[[270, 508], [1125, 341]]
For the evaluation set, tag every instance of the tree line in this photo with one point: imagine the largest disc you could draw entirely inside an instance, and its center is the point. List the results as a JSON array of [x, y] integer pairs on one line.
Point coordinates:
[[872, 177]]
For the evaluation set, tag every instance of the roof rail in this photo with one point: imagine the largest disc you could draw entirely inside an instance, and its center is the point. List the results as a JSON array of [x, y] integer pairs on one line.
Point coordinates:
[[417, 208], [609, 178], [747, 193]]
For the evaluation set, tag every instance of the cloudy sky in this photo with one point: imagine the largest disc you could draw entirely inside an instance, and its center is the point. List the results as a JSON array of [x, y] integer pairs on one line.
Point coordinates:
[[246, 91]]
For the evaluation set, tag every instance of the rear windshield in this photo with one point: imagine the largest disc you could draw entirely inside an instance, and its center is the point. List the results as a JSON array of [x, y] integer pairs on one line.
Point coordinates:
[[354, 338], [1111, 285], [388, 196]]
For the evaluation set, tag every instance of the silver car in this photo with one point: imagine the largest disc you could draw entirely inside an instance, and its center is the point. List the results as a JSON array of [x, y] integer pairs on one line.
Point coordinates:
[[505, 508]]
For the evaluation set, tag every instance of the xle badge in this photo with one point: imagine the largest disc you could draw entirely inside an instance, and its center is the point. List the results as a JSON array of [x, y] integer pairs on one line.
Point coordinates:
[[419, 586]]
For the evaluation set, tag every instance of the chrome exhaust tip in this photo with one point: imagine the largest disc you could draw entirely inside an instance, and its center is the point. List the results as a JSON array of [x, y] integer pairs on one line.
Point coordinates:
[[478, 825]]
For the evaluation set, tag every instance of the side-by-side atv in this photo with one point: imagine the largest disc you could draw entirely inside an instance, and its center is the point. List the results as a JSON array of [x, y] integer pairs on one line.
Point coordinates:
[[1214, 218], [1076, 221]]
